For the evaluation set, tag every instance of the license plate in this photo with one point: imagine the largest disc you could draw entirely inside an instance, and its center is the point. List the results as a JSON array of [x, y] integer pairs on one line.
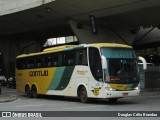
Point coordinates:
[[125, 94]]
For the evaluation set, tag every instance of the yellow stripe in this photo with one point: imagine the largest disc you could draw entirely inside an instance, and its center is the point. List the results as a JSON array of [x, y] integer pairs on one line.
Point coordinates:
[[120, 86], [61, 48], [110, 45]]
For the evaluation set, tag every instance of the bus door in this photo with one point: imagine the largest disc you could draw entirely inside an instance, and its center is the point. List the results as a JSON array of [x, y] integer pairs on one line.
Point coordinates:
[[96, 69]]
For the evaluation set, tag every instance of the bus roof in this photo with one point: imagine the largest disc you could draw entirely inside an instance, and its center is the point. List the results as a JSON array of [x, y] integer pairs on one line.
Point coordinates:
[[110, 45], [70, 47]]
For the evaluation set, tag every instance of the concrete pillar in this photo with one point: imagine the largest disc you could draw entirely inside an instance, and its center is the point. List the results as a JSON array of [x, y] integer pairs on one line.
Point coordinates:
[[10, 48]]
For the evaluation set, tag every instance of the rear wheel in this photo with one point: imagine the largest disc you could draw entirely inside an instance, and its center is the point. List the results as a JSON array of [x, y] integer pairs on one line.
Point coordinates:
[[28, 91], [34, 91], [83, 95]]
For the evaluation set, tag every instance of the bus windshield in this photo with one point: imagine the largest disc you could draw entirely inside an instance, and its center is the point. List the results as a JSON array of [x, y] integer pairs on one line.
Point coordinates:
[[122, 65]]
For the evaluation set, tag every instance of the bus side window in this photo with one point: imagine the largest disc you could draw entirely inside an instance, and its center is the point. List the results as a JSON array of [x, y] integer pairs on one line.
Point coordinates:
[[84, 58], [64, 58], [39, 62], [81, 57], [55, 60], [69, 58], [23, 64], [95, 63], [30, 63], [48, 61], [59, 61]]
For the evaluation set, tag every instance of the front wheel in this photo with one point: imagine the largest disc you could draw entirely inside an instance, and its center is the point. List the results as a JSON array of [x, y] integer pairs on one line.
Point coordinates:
[[83, 95]]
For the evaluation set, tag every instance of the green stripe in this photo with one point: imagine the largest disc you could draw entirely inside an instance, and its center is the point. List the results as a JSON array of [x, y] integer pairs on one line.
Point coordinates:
[[132, 85], [135, 85], [129, 85], [66, 77], [75, 47], [56, 78]]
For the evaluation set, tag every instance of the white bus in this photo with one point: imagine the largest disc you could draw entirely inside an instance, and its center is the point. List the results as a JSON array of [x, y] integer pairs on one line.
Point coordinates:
[[102, 70]]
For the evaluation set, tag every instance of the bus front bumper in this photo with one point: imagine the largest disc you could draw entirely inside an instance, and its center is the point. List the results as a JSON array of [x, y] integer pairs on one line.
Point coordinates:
[[120, 94]]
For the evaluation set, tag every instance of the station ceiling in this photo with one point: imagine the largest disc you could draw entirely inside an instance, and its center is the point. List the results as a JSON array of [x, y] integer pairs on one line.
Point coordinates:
[[53, 17]]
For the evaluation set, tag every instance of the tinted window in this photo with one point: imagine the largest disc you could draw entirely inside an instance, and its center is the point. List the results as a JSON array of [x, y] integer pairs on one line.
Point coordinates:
[[68, 58], [30, 62], [39, 62], [95, 63], [48, 61], [81, 57], [56, 60]]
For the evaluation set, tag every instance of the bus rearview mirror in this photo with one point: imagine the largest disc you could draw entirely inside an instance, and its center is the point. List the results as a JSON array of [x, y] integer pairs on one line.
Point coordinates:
[[104, 62], [143, 62]]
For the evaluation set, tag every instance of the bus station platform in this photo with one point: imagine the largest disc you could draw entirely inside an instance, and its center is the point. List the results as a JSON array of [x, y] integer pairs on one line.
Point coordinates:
[[11, 97], [8, 94], [7, 98]]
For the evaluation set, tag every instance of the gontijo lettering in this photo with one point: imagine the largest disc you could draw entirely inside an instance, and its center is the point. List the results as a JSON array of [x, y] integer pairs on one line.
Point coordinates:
[[38, 73]]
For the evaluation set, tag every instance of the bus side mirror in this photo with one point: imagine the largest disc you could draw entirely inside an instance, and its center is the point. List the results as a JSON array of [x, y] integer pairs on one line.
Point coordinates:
[[143, 62], [104, 63]]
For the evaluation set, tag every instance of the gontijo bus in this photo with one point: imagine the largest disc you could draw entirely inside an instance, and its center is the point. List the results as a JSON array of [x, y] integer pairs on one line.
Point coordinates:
[[102, 70]]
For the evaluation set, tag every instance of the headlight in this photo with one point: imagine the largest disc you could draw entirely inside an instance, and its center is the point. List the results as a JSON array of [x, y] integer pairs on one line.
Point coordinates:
[[136, 88], [111, 89]]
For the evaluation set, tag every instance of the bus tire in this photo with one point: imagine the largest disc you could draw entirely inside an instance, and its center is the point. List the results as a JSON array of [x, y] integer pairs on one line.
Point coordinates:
[[28, 91], [34, 91], [113, 100], [83, 94]]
